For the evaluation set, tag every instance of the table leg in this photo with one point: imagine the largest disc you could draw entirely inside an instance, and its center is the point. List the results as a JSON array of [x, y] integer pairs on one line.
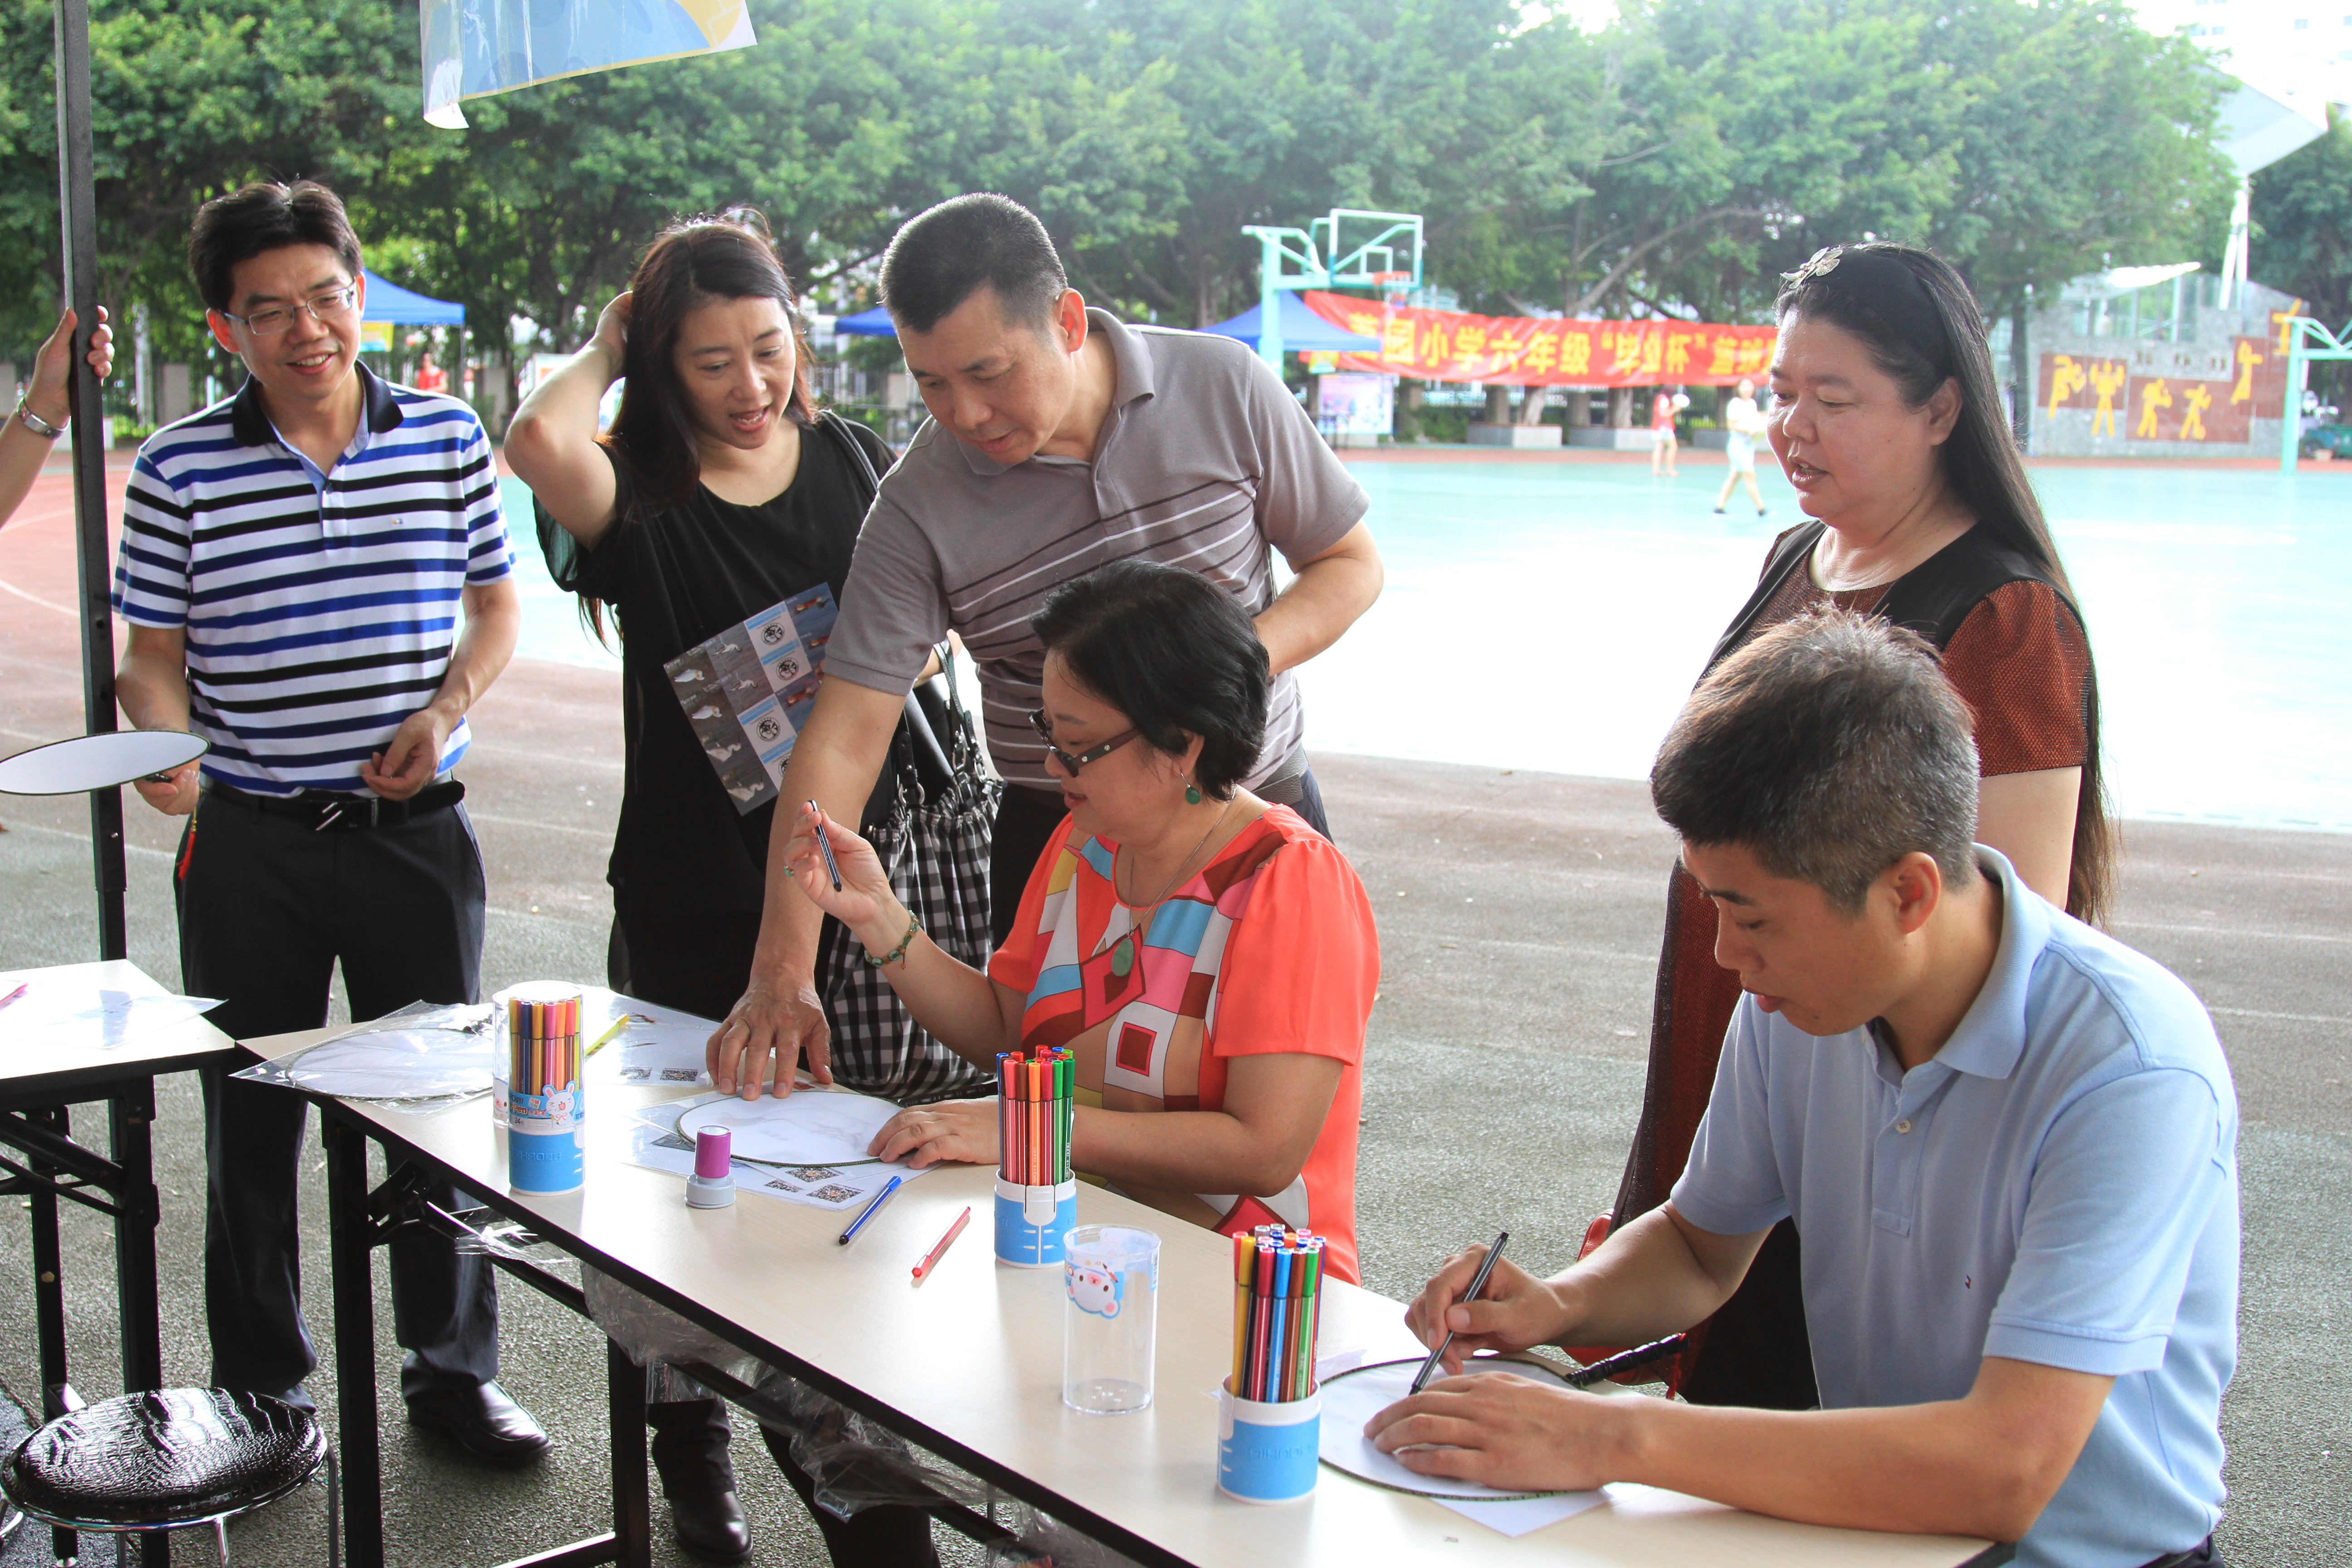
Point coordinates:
[[632, 1508], [48, 1294], [130, 1115], [353, 1246]]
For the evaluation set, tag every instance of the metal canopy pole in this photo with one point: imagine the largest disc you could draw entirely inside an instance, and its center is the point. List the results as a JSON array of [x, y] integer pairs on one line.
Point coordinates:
[[77, 211]]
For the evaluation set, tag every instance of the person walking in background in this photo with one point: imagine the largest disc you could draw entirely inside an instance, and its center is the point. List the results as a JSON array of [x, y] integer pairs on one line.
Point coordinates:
[[1888, 421], [1662, 409], [722, 495], [29, 434], [317, 581], [1060, 439], [1742, 424]]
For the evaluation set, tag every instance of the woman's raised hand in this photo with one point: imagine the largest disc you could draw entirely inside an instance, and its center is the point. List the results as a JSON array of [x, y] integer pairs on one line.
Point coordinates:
[[613, 329], [46, 395], [863, 903]]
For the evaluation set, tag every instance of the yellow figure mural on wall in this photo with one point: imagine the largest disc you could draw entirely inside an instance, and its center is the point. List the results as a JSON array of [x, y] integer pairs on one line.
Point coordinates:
[[2066, 379], [2153, 398], [2107, 378], [2244, 392], [2197, 400]]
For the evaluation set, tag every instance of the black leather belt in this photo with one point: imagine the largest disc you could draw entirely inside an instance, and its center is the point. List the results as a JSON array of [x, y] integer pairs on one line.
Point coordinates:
[[342, 813]]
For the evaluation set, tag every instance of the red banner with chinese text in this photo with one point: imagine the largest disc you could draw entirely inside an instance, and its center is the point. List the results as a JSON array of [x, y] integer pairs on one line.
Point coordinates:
[[1527, 351]]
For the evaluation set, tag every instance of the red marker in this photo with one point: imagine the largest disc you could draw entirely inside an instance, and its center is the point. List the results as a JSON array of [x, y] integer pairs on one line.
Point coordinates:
[[930, 1259]]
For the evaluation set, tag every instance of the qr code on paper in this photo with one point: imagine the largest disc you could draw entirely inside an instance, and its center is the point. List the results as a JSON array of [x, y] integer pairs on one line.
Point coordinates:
[[636, 1075], [681, 1075], [782, 1185], [837, 1194], [814, 1172]]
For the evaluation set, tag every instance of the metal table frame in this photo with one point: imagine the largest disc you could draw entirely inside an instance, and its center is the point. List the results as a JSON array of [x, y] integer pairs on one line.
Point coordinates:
[[36, 1125], [361, 1218]]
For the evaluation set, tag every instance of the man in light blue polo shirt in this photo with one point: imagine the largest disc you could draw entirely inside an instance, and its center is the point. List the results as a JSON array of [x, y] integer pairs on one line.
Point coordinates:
[[2008, 1142]]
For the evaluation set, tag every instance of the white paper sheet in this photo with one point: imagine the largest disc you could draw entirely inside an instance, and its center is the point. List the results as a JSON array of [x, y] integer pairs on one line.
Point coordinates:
[[807, 1127], [665, 1053], [54, 1013], [655, 1143], [1352, 1400]]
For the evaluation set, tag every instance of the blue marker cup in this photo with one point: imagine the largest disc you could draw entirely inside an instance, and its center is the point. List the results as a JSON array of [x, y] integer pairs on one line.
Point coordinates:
[[1110, 1282], [1267, 1453], [547, 1140], [1032, 1224]]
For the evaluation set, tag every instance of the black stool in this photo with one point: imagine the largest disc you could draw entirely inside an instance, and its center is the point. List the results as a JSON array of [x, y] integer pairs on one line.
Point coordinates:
[[171, 1459]]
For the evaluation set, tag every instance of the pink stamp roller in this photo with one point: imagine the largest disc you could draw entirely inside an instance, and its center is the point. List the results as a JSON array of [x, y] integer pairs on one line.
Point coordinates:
[[713, 1185]]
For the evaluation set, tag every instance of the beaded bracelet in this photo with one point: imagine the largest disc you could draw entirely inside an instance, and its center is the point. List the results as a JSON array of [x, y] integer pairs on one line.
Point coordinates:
[[914, 924]]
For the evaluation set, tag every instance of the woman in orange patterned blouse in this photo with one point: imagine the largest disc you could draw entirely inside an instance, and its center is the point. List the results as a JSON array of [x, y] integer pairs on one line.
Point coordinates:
[[1210, 958]]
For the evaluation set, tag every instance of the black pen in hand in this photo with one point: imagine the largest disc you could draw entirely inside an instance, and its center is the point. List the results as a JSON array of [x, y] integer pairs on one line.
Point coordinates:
[[824, 847], [1477, 1283]]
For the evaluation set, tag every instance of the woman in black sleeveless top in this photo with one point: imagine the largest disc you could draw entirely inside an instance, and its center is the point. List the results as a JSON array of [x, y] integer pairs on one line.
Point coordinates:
[[1885, 414]]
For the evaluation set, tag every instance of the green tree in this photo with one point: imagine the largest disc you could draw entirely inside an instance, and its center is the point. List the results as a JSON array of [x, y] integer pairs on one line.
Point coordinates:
[[2303, 238]]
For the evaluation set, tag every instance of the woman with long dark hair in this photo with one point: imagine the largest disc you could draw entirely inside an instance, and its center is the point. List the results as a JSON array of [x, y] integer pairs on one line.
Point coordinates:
[[720, 499], [1886, 419]]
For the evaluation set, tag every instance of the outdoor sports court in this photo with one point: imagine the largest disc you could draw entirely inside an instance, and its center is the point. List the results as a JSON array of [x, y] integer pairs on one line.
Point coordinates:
[[1553, 613]]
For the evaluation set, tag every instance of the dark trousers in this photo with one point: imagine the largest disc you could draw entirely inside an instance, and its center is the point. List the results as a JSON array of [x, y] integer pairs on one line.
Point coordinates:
[[1027, 818], [267, 908]]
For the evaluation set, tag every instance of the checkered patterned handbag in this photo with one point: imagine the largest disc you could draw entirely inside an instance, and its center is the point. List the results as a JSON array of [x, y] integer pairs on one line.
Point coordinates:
[[929, 819], [929, 825]]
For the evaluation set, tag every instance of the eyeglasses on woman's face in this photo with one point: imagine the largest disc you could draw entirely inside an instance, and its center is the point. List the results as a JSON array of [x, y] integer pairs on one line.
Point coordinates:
[[1039, 722], [328, 305]]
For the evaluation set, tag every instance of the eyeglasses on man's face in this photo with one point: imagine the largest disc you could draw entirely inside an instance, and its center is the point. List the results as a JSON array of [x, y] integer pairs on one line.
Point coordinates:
[[1038, 721], [328, 305]]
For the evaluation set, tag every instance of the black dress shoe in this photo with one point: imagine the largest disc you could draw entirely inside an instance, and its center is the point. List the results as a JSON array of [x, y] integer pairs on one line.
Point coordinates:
[[710, 1525], [484, 1421]]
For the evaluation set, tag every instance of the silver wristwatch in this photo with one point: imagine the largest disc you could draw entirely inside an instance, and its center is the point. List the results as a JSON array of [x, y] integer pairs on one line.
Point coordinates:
[[36, 424]]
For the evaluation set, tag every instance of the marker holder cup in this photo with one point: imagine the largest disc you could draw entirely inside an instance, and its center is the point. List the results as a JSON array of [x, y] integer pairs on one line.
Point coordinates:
[[1032, 1224], [1269, 1453], [546, 1110], [547, 1140]]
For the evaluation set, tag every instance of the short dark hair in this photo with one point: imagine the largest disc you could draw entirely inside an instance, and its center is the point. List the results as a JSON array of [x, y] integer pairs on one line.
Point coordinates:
[[265, 215], [1829, 748], [941, 258], [1173, 652]]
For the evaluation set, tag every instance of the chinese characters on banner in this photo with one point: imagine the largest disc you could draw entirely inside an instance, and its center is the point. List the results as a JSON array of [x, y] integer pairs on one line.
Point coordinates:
[[1526, 351]]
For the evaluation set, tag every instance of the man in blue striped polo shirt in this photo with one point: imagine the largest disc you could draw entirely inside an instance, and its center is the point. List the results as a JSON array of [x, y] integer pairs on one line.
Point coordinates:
[[317, 580]]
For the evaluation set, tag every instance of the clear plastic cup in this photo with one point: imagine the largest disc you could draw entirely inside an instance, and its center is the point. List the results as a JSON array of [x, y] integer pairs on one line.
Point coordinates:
[[1110, 1275]]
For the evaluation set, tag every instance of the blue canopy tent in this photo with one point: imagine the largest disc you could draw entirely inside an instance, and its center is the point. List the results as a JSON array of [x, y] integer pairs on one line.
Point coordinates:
[[1302, 330], [873, 323], [405, 307], [397, 307]]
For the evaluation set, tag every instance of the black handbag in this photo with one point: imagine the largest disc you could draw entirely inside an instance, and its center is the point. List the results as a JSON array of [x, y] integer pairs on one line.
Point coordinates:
[[930, 819]]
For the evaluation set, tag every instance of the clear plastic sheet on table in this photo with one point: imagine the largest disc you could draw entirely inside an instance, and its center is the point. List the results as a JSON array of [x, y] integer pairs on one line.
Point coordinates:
[[425, 1056], [856, 1462], [1040, 1540]]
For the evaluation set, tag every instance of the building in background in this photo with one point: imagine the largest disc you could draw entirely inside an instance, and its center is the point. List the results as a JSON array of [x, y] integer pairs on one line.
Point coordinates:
[[2159, 362]]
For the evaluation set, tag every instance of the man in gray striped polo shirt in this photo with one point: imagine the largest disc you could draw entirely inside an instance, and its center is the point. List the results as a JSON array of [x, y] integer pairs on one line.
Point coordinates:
[[317, 580], [1060, 439]]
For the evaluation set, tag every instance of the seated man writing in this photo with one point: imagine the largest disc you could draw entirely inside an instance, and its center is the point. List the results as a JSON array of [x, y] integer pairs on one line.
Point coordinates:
[[2008, 1142]]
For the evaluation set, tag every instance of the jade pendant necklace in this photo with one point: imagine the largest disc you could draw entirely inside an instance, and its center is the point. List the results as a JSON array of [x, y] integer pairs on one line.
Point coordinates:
[[1124, 951]]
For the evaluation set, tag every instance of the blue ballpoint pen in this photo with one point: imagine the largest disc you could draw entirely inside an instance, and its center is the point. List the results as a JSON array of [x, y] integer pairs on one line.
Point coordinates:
[[868, 1212]]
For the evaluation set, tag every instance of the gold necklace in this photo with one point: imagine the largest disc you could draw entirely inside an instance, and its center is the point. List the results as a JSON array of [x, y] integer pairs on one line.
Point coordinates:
[[1124, 951]]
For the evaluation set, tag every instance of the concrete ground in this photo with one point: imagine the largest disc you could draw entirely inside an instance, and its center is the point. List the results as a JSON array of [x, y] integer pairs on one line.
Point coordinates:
[[1520, 915]]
